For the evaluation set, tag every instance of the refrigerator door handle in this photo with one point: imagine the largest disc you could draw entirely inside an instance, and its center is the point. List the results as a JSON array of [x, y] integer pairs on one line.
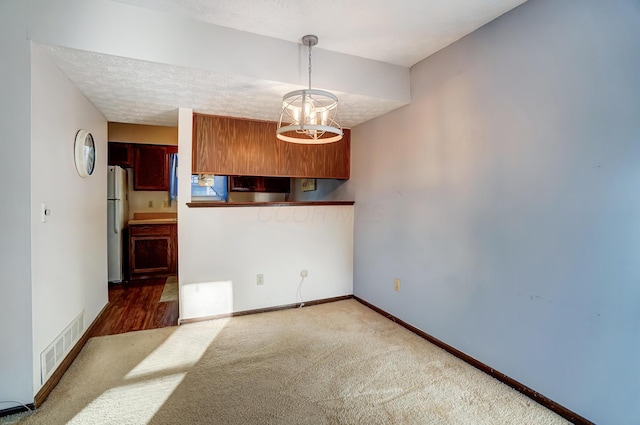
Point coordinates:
[[116, 218]]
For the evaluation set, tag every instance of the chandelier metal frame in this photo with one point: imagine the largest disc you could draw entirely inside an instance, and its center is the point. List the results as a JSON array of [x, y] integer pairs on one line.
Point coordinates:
[[307, 115]]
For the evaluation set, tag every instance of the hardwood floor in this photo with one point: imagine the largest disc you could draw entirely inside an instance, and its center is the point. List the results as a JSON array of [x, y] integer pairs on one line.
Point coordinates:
[[135, 306]]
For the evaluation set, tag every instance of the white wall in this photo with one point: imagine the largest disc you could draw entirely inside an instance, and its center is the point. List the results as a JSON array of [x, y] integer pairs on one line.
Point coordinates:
[[235, 244], [122, 30], [69, 252], [221, 250], [15, 242], [506, 199]]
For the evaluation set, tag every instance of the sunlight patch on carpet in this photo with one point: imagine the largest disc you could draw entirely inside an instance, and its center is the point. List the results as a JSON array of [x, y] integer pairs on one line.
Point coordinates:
[[134, 403], [181, 350]]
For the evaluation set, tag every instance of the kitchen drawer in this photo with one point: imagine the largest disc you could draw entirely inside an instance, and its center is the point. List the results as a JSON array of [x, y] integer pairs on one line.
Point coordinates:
[[150, 230]]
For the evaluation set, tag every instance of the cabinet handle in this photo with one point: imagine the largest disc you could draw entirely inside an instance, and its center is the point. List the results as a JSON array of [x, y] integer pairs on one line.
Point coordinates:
[[116, 218]]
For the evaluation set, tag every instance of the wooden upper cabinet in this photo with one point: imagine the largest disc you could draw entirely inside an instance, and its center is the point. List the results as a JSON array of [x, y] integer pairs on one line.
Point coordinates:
[[240, 147], [120, 154], [151, 167], [234, 146], [329, 161]]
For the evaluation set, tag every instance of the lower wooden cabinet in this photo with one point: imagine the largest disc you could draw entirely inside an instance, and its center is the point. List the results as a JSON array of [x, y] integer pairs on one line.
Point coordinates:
[[153, 250]]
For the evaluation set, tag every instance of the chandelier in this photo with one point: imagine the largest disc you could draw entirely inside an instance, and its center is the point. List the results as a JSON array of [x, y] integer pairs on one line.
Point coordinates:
[[309, 116]]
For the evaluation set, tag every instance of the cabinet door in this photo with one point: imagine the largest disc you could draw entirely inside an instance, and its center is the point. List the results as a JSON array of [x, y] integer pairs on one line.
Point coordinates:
[[234, 146], [120, 154], [151, 167], [150, 254], [153, 250], [329, 161]]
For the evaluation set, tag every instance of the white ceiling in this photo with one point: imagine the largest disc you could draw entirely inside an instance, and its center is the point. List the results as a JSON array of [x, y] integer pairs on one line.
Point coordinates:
[[402, 32]]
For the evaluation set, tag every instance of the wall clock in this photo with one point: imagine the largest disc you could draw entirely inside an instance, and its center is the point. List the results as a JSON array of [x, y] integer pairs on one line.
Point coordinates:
[[85, 153]]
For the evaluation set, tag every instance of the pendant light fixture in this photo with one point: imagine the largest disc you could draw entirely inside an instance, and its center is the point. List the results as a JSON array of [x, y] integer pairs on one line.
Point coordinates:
[[309, 116]]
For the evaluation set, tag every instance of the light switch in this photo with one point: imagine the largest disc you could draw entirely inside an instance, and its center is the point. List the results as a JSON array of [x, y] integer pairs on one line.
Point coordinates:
[[45, 212]]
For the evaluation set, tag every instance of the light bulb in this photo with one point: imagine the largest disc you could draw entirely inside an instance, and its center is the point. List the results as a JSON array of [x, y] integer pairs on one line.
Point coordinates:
[[307, 111]]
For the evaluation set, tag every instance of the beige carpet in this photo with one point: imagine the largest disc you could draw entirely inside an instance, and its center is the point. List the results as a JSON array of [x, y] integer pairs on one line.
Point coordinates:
[[170, 290], [337, 363]]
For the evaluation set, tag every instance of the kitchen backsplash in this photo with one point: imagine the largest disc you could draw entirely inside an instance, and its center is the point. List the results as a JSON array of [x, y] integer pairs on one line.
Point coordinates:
[[139, 200]]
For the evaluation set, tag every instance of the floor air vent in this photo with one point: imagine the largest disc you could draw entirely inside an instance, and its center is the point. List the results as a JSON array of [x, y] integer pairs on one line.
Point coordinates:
[[53, 355]]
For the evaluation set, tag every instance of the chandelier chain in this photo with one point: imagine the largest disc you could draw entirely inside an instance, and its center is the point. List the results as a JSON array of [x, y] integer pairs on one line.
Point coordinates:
[[310, 64]]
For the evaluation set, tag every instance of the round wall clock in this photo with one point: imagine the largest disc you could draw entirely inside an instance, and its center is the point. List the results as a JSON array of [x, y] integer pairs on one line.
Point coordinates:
[[85, 153]]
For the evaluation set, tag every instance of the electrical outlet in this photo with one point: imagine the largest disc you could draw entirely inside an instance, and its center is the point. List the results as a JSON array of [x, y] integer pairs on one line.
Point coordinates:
[[260, 279], [396, 284], [304, 273], [150, 204]]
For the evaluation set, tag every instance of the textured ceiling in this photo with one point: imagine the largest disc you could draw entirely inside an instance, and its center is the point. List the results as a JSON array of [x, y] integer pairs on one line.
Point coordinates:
[[402, 33], [139, 92]]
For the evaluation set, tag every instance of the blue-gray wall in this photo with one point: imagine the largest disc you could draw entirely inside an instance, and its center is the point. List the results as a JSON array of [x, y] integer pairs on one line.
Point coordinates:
[[326, 189], [506, 198]]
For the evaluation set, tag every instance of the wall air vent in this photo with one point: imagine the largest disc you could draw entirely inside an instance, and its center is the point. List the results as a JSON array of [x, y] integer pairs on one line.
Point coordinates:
[[53, 355]]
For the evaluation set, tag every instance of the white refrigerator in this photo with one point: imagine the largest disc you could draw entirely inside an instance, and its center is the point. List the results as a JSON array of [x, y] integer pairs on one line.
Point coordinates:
[[117, 217]]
